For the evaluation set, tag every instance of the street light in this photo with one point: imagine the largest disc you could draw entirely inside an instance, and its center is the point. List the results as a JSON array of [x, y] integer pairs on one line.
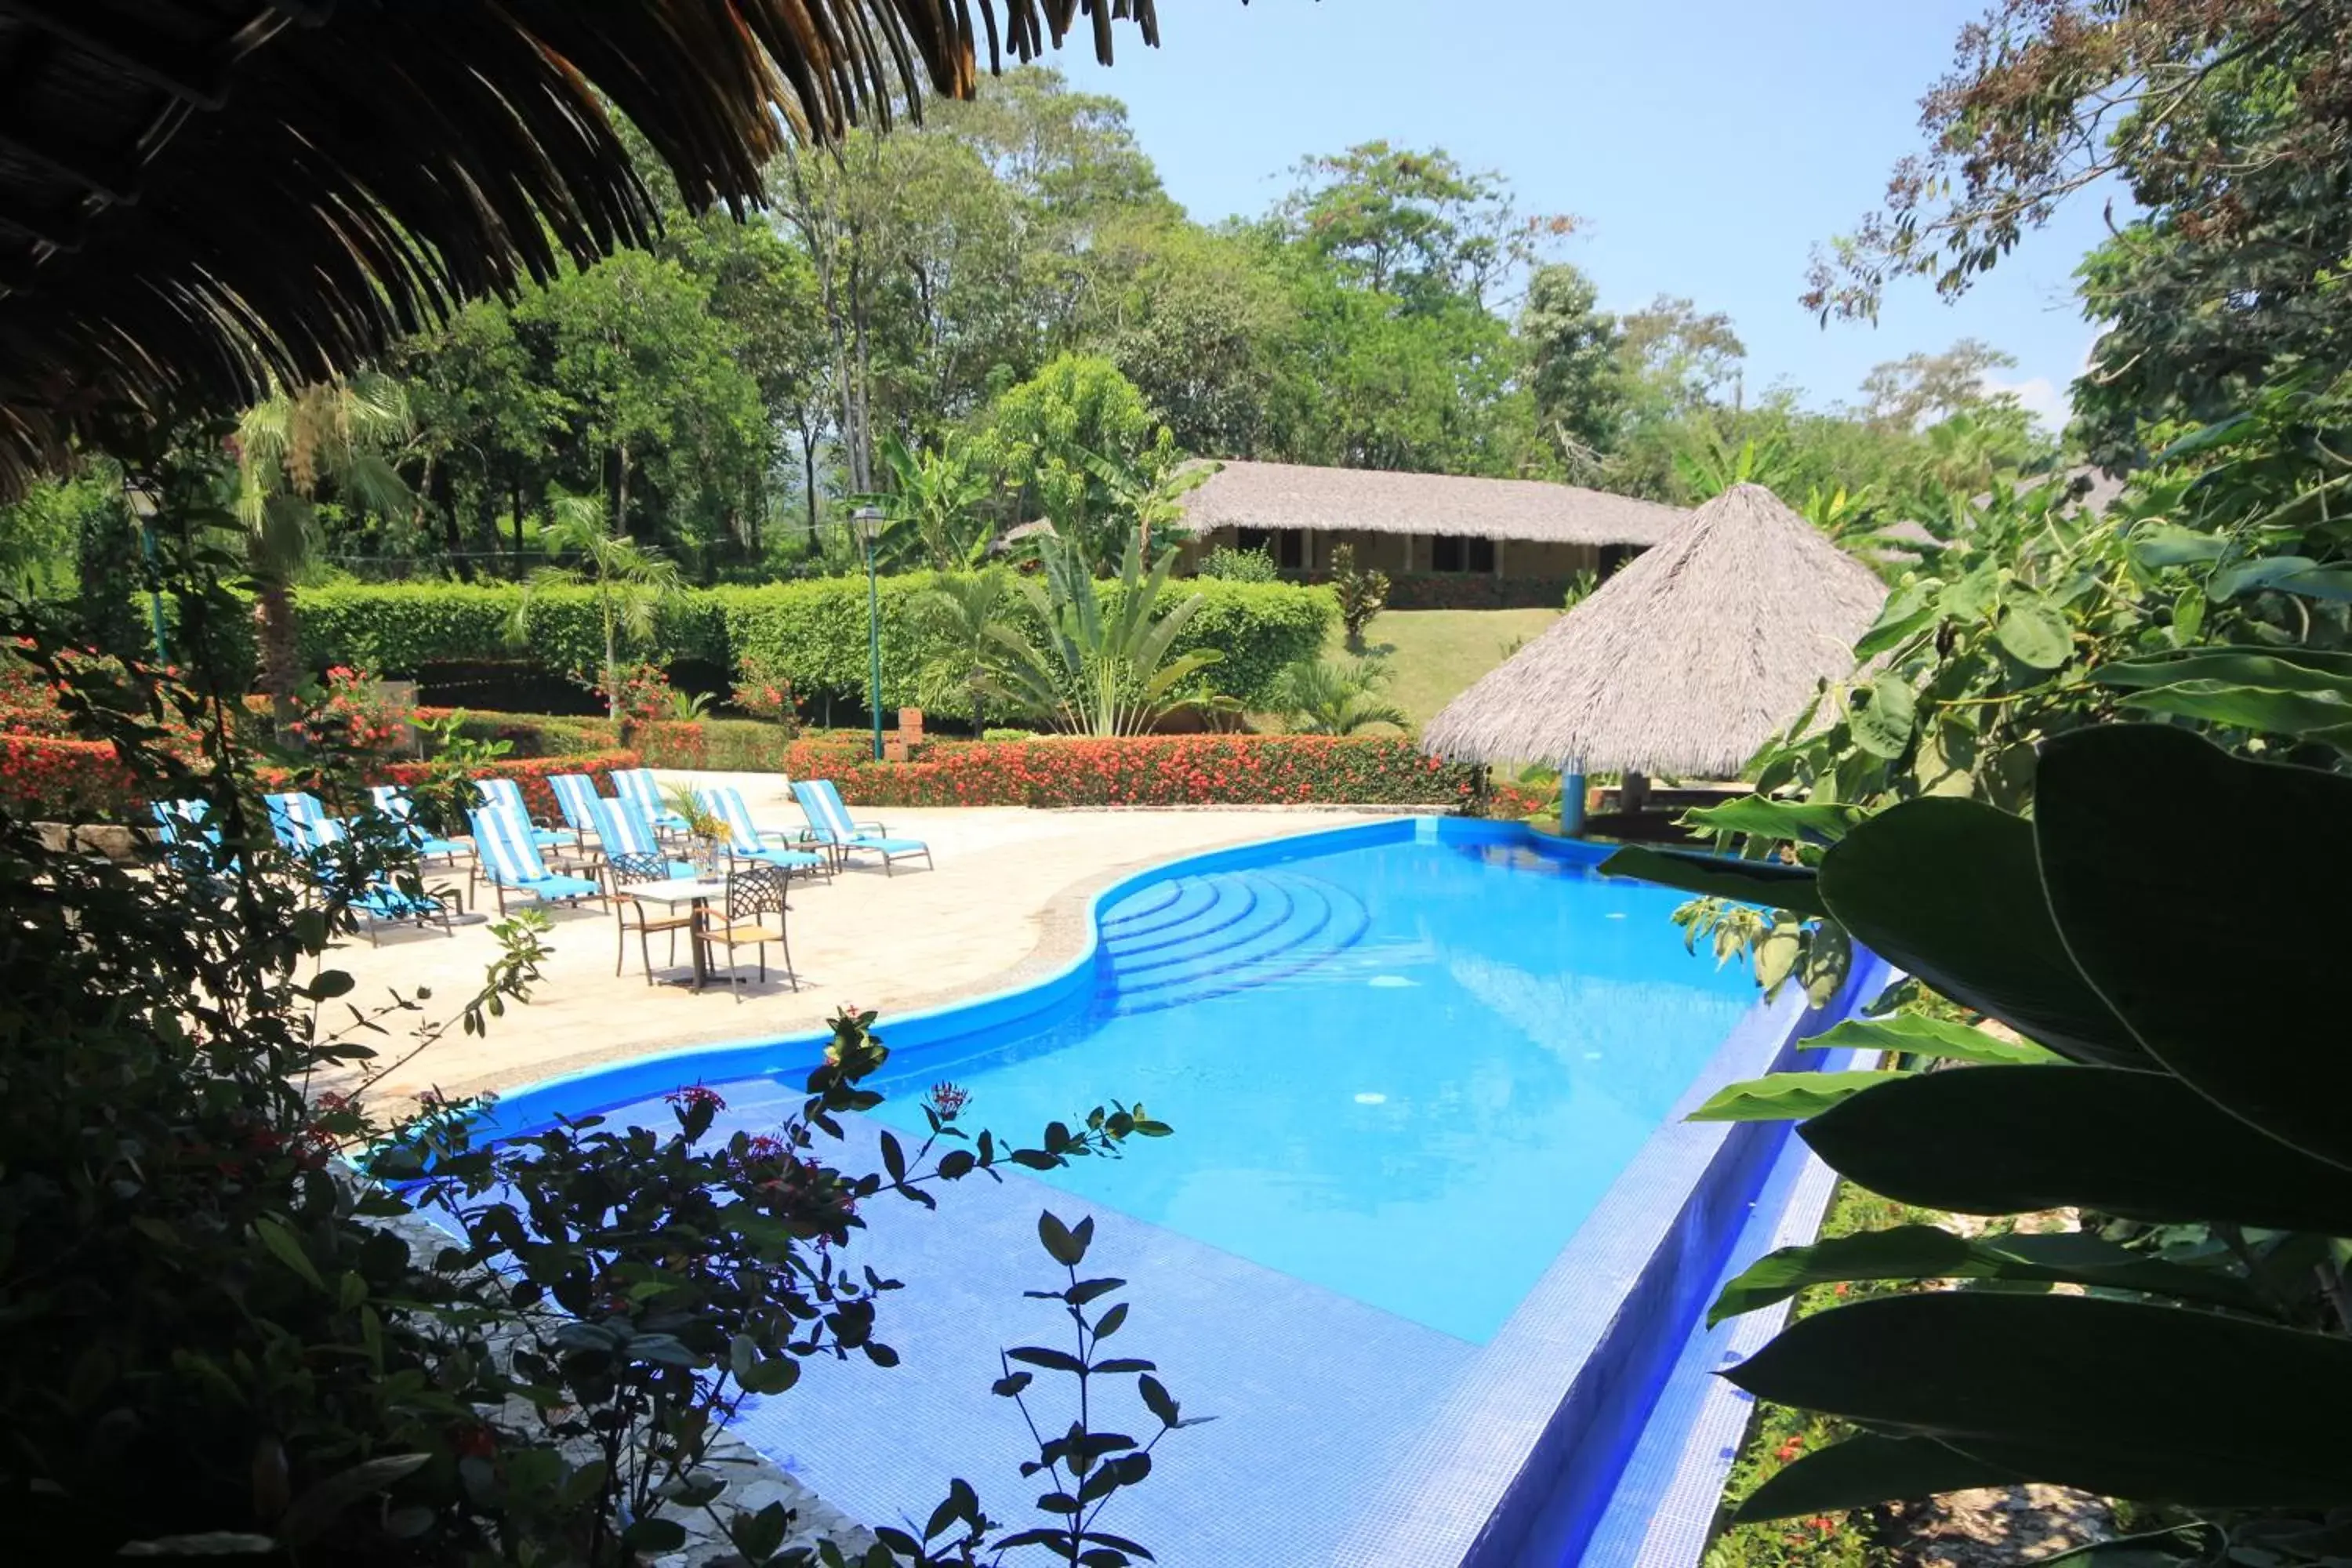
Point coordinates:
[[867, 522]]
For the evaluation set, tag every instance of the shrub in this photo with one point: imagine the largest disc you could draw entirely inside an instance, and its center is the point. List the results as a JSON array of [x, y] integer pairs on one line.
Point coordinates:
[[44, 778], [809, 635], [531, 773], [529, 734], [1233, 566], [1157, 770]]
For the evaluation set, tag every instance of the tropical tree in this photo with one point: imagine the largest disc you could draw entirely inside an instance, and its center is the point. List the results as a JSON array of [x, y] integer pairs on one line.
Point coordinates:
[[1099, 669], [966, 610], [1337, 697], [329, 437], [630, 584]]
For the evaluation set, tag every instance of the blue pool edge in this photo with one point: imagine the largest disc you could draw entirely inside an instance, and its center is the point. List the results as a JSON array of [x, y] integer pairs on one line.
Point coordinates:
[[1522, 1463]]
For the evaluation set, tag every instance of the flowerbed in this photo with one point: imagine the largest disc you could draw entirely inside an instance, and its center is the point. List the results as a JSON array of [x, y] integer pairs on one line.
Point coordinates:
[[1170, 770], [46, 778]]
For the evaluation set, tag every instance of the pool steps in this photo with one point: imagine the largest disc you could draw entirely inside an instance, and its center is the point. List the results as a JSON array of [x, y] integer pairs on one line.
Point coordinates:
[[1195, 937]]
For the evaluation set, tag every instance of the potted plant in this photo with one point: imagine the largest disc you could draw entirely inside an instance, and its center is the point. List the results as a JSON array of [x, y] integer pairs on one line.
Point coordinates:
[[706, 832]]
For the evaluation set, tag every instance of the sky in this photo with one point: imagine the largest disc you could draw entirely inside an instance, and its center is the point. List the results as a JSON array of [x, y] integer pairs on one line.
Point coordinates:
[[1707, 145]]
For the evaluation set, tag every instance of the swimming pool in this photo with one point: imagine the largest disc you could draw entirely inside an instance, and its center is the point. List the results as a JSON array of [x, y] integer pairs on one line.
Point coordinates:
[[1429, 1239]]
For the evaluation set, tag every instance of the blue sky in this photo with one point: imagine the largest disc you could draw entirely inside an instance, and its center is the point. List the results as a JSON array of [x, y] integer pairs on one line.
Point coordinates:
[[1708, 144]]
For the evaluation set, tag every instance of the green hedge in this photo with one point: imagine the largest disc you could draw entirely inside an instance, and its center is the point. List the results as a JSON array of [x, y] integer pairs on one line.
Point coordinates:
[[812, 633]]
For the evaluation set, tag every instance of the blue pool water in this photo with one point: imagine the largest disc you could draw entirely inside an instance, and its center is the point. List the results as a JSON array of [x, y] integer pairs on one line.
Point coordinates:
[[1428, 1189], [1404, 1072]]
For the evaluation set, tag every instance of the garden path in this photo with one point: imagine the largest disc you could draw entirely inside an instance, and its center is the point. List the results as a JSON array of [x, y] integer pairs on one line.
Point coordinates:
[[1008, 902]]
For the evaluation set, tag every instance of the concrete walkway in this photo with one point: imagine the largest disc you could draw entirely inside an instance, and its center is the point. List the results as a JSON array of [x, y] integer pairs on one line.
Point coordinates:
[[1008, 902]]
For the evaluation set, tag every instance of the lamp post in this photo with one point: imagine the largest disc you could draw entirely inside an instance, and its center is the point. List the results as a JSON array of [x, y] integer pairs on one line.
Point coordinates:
[[867, 521]]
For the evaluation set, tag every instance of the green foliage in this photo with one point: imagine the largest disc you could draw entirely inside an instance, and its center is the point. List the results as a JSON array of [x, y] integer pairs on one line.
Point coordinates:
[[2185, 1103], [1228, 564], [934, 507], [1099, 669], [1337, 697], [1051, 436], [628, 585]]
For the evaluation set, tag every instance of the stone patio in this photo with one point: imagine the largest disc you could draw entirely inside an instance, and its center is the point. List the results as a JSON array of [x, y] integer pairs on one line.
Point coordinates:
[[1009, 900]]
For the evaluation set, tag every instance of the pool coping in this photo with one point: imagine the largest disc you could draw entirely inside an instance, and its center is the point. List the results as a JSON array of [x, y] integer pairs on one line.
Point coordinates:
[[1519, 1462]]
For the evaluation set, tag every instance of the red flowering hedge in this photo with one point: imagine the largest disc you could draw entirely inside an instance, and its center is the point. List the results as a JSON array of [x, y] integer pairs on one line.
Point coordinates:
[[45, 779], [1167, 770]]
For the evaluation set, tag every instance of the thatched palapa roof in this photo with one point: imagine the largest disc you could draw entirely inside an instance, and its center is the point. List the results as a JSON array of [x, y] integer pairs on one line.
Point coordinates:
[[1295, 495], [197, 195], [1683, 663]]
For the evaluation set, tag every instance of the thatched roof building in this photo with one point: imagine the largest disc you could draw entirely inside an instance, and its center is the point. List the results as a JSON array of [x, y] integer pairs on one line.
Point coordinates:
[[1683, 663], [1374, 501], [196, 195]]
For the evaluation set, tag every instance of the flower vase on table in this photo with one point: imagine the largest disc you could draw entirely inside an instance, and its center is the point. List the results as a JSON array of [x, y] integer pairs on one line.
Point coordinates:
[[709, 857]]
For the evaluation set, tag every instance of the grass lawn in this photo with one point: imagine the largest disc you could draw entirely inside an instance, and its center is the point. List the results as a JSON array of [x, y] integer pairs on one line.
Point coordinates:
[[1434, 655]]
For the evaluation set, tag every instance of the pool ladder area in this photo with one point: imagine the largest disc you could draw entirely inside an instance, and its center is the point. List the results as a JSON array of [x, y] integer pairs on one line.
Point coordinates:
[[1192, 938]]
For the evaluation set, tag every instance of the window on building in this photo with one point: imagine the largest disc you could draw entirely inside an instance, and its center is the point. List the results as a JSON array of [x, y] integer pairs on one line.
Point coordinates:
[[1460, 552]]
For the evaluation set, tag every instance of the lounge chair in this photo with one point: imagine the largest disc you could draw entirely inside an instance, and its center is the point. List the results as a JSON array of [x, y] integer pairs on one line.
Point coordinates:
[[392, 802], [623, 829], [506, 797], [745, 840], [378, 900], [182, 823], [754, 917], [295, 817], [511, 861], [829, 821], [636, 785], [576, 797]]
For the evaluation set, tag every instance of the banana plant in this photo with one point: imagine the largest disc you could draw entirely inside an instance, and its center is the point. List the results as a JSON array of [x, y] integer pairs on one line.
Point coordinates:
[[1099, 669]]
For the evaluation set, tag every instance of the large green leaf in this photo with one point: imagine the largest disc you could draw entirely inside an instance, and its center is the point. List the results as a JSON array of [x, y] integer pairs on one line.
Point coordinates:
[[2018, 1140], [1785, 1096], [1764, 882], [1882, 725], [1949, 891], [2120, 1398], [1786, 819], [1931, 1252], [2208, 954], [1920, 1036], [2280, 691], [2034, 632], [1867, 1469]]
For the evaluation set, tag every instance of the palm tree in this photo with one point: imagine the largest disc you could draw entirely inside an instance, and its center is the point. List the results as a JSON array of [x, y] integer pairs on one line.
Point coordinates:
[[631, 585], [1336, 696], [966, 610], [330, 436], [1099, 672]]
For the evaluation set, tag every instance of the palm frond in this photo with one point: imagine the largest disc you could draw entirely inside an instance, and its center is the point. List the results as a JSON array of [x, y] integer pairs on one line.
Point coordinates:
[[253, 224]]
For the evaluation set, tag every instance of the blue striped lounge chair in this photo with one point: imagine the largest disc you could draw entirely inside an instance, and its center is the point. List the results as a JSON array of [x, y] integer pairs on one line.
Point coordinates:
[[506, 797], [638, 788], [576, 797], [379, 903], [511, 861], [829, 821], [623, 829], [295, 817], [392, 802], [182, 822], [745, 841]]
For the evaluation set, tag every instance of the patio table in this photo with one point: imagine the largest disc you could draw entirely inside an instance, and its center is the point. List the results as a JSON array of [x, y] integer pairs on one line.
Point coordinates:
[[696, 892]]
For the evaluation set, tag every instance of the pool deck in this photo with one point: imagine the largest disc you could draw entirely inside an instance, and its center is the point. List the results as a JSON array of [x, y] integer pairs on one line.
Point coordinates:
[[1007, 903]]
